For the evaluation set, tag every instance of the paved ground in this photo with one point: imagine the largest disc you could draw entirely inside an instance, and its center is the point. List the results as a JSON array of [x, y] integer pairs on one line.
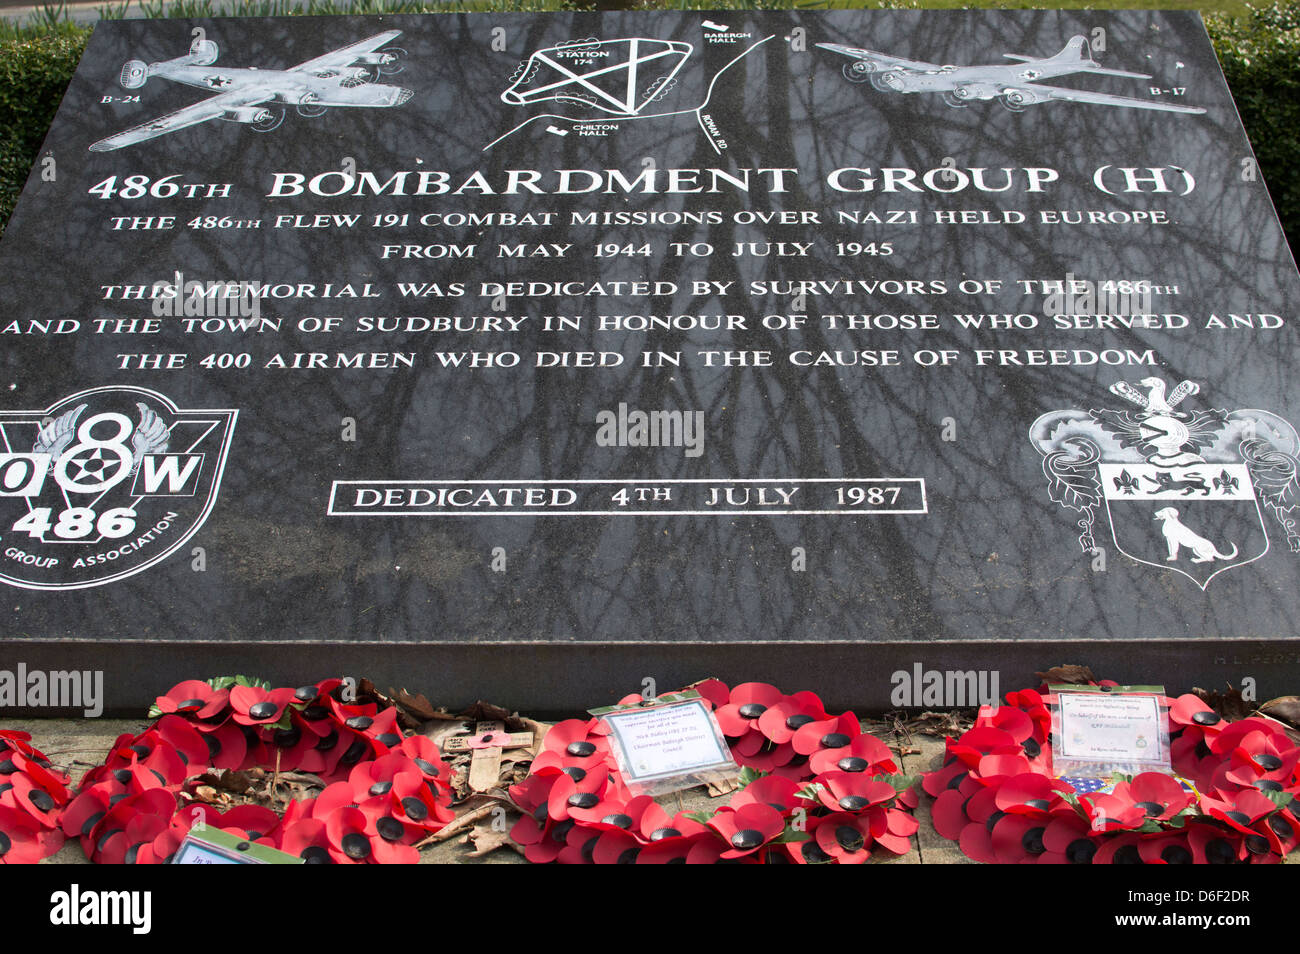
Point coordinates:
[[78, 745]]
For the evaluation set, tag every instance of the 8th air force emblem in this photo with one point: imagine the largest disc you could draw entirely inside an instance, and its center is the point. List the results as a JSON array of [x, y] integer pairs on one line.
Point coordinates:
[[104, 484]]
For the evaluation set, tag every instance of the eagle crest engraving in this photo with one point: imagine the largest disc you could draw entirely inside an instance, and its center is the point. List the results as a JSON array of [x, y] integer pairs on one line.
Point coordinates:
[[1183, 488]]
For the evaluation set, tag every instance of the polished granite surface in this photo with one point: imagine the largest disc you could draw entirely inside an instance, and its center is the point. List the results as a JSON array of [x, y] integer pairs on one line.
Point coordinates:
[[928, 385]]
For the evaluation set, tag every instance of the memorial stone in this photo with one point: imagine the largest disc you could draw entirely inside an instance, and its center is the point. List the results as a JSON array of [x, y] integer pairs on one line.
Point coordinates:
[[541, 358]]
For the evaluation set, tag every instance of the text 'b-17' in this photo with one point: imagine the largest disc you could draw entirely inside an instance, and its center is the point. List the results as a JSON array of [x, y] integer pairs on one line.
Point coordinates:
[[1014, 85], [259, 98]]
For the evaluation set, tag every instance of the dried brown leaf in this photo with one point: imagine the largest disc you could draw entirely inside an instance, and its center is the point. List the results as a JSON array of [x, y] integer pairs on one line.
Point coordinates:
[[1069, 674], [719, 787], [416, 706], [936, 724], [484, 839], [229, 780], [1228, 704], [486, 712], [302, 778], [1285, 709], [366, 692]]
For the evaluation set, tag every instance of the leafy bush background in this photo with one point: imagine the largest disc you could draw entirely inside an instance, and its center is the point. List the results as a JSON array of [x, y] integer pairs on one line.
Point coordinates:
[[1259, 51], [1260, 55], [34, 73]]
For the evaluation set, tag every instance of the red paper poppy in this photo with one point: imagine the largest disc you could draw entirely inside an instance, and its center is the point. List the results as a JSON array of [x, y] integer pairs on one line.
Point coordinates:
[[679, 850], [714, 691], [1212, 844], [1068, 840], [653, 825], [991, 797], [1113, 812], [1018, 839], [1282, 831], [1241, 811], [774, 791], [843, 837], [1262, 757], [1190, 711], [573, 744], [579, 846], [252, 705], [349, 839], [194, 699], [1166, 848], [747, 829], [1159, 796], [307, 838], [598, 821], [745, 706], [21, 841], [835, 733], [853, 792], [864, 754], [1034, 795], [1231, 736], [1123, 848], [785, 717], [427, 757], [127, 808]]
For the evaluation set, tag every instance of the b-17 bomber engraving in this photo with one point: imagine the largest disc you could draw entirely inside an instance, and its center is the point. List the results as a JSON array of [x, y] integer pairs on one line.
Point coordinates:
[[1015, 86]]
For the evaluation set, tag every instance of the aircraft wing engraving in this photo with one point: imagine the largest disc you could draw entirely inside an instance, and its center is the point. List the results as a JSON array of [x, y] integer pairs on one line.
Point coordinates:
[[348, 55], [884, 60], [213, 108], [1102, 99]]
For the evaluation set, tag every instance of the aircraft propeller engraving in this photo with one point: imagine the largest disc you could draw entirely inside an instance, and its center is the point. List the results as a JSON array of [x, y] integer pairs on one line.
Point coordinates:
[[259, 98], [1015, 86]]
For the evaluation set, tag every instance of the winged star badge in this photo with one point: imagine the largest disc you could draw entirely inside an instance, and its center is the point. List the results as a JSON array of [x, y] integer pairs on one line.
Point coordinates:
[[104, 484], [1191, 490]]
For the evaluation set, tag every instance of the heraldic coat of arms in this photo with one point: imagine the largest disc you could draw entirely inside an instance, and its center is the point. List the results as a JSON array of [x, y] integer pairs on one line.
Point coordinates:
[[1194, 491]]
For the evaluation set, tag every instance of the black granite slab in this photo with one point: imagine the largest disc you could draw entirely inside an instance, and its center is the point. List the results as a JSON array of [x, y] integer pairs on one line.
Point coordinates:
[[446, 269]]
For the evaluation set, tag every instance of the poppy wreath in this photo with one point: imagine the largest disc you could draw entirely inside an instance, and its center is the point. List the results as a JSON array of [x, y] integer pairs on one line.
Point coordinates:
[[814, 789], [996, 797], [32, 797], [383, 793]]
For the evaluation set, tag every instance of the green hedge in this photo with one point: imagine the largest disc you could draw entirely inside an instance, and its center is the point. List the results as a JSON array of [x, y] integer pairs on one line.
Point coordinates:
[[1260, 53], [33, 75]]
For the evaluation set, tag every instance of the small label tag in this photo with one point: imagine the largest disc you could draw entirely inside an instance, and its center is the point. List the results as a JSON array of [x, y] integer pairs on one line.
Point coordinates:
[[217, 847], [1096, 733], [668, 744]]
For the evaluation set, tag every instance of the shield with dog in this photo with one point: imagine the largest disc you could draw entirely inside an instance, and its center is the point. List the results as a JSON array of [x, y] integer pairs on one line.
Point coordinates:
[[1198, 520], [1194, 491]]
